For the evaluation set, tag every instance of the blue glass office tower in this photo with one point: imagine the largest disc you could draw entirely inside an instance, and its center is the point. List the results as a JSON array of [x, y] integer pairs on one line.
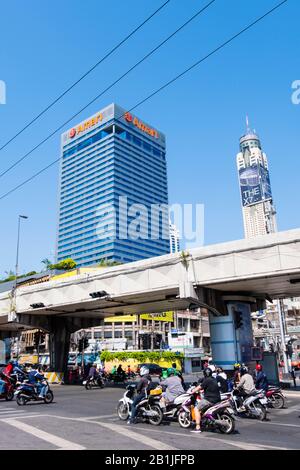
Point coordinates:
[[113, 192]]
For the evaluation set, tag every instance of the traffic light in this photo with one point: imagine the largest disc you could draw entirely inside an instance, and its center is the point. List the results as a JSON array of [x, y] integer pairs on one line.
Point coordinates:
[[36, 338], [83, 344], [238, 319]]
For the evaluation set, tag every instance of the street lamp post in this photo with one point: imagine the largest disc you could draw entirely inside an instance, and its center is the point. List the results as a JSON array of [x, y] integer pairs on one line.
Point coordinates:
[[17, 259]]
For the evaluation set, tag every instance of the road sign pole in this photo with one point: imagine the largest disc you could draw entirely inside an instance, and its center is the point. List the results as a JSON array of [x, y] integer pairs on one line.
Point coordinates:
[[281, 316]]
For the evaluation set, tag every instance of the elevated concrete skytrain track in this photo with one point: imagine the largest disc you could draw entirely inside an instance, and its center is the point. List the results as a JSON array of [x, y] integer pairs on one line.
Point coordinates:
[[223, 278]]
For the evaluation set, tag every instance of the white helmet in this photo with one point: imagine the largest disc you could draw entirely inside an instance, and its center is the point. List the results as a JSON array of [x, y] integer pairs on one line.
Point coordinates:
[[212, 367], [144, 371]]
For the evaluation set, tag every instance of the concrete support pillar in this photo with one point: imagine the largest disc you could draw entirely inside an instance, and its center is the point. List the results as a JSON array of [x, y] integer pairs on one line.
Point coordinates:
[[230, 345], [59, 344]]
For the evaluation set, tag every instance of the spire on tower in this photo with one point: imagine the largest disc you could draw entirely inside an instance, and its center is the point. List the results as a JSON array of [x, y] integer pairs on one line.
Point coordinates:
[[247, 124]]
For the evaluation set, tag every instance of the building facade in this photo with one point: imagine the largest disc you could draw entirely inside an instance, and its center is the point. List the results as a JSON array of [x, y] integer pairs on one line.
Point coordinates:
[[174, 239], [259, 215], [113, 191]]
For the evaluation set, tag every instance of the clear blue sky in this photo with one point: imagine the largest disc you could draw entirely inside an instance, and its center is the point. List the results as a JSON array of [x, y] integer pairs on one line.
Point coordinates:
[[45, 46]]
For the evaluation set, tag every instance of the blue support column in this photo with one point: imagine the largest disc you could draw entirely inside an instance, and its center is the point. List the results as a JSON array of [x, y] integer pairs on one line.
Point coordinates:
[[230, 345]]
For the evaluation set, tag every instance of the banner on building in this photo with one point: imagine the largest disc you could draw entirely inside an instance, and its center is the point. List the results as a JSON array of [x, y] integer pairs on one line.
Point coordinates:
[[164, 316], [254, 184], [121, 318]]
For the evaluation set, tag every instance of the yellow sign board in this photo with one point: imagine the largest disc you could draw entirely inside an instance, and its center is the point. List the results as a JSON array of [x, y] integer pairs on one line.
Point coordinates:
[[121, 318], [164, 316]]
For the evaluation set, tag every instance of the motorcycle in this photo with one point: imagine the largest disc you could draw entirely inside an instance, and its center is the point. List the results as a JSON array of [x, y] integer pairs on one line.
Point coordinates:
[[172, 409], [91, 382], [7, 389], [254, 405], [28, 392], [117, 378], [148, 409], [218, 417], [275, 398]]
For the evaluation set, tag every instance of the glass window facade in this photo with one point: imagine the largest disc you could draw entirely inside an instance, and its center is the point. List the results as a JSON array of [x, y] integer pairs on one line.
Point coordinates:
[[106, 168]]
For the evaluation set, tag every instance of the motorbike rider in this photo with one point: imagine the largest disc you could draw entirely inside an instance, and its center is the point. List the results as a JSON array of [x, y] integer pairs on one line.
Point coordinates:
[[211, 390], [36, 378], [261, 380], [245, 386], [173, 386], [120, 371], [141, 390], [93, 371]]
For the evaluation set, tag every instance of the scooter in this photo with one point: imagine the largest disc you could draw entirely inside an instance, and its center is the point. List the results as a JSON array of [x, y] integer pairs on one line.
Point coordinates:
[[28, 392], [218, 417], [6, 388], [253, 406], [91, 382], [148, 409], [275, 398]]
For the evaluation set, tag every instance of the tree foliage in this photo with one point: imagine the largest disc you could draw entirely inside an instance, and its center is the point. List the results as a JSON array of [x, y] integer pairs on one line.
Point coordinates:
[[64, 265], [140, 356]]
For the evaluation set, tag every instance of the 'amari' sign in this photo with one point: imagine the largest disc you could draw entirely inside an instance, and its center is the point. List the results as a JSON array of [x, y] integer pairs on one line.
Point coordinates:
[[140, 125]]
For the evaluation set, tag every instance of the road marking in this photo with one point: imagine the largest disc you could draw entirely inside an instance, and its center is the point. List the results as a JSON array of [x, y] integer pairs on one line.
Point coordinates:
[[281, 424], [148, 441], [62, 444], [242, 445]]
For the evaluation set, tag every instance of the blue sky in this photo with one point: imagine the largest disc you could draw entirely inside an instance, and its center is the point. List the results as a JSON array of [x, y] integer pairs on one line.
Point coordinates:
[[45, 46]]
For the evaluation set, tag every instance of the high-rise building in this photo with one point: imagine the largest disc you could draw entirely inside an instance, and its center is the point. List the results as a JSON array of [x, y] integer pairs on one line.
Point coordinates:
[[174, 239], [259, 213], [113, 192]]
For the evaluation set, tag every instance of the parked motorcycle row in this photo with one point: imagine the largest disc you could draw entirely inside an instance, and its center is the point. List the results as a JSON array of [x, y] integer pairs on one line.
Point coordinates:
[[220, 417]]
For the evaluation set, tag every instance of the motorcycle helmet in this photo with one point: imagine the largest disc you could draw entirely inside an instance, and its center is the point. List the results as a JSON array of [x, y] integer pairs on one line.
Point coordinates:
[[244, 370], [207, 372], [144, 371], [170, 371], [212, 367], [236, 366], [258, 367]]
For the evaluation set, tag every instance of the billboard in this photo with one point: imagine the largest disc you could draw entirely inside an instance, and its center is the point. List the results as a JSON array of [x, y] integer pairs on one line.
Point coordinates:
[[255, 184]]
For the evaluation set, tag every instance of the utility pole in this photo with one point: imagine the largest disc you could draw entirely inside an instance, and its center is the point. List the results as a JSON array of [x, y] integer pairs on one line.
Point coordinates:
[[281, 316]]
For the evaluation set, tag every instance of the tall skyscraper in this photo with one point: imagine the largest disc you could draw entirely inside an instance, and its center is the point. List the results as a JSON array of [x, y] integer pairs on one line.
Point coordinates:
[[113, 192], [259, 212], [174, 239]]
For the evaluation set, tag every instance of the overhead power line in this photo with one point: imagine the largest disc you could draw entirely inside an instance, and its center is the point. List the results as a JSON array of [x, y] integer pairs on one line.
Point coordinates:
[[13, 165], [214, 51], [73, 85]]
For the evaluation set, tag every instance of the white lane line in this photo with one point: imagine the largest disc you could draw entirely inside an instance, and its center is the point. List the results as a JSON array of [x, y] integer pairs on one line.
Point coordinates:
[[242, 445], [148, 441], [11, 412], [281, 424], [62, 444]]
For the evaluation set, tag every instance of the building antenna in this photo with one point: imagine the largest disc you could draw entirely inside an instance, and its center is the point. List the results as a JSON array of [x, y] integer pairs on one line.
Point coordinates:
[[247, 124]]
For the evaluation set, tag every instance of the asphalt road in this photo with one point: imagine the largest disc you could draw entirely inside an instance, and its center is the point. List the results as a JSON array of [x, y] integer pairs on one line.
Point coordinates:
[[80, 419]]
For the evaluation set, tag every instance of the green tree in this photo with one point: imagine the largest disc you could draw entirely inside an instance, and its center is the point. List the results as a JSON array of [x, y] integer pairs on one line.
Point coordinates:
[[64, 265]]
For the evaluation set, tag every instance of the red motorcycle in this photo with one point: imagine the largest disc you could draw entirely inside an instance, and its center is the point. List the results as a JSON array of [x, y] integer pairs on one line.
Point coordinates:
[[7, 388], [275, 398]]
